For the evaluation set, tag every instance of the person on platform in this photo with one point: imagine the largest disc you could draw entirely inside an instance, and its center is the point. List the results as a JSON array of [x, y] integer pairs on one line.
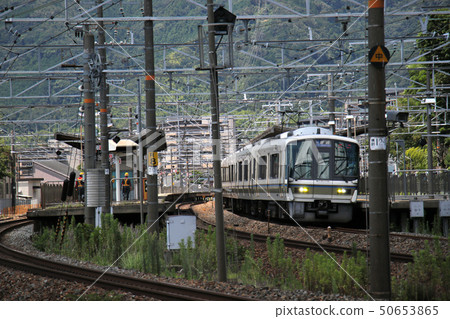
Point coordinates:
[[126, 187], [79, 186]]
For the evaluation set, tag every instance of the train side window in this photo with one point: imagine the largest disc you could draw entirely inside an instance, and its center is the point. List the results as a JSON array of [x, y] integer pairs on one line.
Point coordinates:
[[274, 165], [240, 171], [262, 167], [253, 169], [245, 170], [232, 173]]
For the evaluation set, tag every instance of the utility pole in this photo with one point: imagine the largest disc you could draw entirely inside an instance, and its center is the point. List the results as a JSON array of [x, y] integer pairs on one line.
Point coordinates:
[[141, 156], [380, 273], [104, 111], [150, 119], [429, 140], [89, 120], [130, 120], [13, 171], [331, 103], [215, 128]]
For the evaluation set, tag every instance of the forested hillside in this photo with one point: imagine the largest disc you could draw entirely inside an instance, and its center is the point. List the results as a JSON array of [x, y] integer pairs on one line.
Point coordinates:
[[271, 50]]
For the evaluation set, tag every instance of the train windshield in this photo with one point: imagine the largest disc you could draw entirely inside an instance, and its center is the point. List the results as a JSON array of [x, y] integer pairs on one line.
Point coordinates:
[[322, 159]]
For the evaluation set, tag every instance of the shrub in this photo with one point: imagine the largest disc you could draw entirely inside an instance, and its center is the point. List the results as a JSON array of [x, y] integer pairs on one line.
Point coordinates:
[[427, 278]]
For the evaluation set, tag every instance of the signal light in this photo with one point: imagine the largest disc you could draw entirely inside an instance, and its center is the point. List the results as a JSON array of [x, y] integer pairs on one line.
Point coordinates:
[[222, 15], [397, 116]]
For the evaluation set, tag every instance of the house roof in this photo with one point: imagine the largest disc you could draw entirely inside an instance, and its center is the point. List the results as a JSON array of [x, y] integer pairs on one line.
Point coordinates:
[[55, 166]]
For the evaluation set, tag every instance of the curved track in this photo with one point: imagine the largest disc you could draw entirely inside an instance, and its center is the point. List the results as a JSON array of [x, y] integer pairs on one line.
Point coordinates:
[[159, 290]]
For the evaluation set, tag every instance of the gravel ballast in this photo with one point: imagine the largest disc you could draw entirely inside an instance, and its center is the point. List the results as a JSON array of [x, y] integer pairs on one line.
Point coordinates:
[[23, 286]]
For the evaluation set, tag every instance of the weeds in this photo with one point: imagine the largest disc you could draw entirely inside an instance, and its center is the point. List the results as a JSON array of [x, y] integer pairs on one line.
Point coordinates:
[[135, 248], [427, 278], [319, 272]]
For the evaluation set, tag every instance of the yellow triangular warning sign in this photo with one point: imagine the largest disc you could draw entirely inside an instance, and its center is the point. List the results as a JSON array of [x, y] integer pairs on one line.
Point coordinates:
[[379, 56]]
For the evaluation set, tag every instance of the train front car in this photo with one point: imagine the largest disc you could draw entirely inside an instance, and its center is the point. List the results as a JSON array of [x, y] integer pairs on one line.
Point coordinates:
[[322, 172], [308, 175]]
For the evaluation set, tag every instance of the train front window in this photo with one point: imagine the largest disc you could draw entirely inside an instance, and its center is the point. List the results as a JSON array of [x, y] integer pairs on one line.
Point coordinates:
[[300, 159], [346, 157], [322, 159]]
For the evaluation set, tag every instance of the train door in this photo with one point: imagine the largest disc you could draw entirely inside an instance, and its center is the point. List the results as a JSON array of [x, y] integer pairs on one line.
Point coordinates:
[[253, 183], [274, 175], [246, 188]]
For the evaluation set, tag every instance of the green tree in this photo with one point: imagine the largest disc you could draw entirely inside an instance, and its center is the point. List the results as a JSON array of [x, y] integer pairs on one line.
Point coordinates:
[[5, 161], [433, 48], [418, 156]]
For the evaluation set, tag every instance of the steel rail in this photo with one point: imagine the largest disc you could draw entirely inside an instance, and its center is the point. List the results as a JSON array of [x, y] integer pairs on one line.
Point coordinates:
[[159, 290]]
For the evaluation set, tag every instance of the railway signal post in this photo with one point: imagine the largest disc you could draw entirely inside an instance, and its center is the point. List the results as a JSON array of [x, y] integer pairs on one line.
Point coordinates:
[[215, 128]]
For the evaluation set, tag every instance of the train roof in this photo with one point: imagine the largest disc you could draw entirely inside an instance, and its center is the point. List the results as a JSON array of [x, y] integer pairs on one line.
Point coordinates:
[[308, 130], [276, 141]]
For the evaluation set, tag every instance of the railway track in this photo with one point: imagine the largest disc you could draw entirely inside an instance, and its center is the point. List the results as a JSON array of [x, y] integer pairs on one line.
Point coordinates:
[[158, 290], [295, 244], [364, 232]]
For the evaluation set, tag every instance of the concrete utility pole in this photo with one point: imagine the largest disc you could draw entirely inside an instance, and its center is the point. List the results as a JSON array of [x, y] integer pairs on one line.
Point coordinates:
[[13, 171], [429, 140], [215, 128], [150, 119], [380, 273], [141, 155], [331, 103], [89, 120], [104, 112]]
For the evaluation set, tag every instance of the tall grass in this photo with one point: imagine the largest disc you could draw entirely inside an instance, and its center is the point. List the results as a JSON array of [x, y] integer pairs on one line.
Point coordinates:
[[133, 247], [427, 278]]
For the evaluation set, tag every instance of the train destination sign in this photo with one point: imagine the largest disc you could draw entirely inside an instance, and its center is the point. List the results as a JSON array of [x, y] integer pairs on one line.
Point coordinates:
[[379, 56]]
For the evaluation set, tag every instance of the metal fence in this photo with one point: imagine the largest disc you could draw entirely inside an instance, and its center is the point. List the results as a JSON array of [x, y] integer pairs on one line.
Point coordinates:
[[414, 183], [21, 207], [51, 193]]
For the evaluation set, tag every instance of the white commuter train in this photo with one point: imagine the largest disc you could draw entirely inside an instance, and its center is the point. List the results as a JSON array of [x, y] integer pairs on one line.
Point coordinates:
[[308, 174]]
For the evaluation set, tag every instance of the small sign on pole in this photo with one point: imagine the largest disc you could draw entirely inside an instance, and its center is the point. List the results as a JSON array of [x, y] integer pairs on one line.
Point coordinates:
[[416, 211], [444, 208], [378, 143], [444, 213], [379, 56], [152, 159]]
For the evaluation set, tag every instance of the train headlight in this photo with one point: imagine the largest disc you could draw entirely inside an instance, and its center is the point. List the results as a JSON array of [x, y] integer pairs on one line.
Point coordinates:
[[342, 191], [303, 190]]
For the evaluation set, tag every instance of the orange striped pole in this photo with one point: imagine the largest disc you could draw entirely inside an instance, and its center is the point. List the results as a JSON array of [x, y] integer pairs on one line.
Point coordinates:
[[89, 121]]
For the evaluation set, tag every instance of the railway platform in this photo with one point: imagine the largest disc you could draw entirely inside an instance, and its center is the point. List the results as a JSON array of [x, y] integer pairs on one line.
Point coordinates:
[[128, 212]]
